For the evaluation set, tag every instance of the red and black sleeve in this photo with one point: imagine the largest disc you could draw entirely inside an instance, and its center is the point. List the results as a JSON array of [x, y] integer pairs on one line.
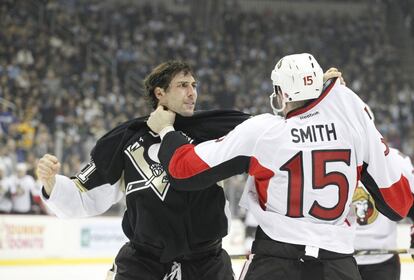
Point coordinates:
[[187, 172]]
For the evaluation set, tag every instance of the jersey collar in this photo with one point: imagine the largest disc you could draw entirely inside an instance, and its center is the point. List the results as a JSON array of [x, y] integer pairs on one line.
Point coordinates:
[[312, 103]]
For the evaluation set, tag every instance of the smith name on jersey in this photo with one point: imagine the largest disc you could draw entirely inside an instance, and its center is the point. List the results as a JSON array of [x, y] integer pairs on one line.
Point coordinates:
[[124, 161], [303, 169]]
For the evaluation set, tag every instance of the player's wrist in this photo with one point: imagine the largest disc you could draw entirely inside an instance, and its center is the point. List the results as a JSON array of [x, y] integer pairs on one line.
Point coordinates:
[[48, 185], [165, 130]]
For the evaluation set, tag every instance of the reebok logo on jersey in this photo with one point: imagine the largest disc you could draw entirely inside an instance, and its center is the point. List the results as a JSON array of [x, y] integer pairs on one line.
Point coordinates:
[[309, 115]]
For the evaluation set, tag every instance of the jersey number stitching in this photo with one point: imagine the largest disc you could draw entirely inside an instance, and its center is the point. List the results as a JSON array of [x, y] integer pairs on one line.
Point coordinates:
[[320, 179]]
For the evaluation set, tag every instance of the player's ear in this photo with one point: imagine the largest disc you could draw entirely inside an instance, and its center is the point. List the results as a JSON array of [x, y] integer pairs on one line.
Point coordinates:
[[159, 92]]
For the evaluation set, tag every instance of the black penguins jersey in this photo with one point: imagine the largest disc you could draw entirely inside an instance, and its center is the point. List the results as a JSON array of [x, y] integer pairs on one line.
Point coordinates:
[[124, 161]]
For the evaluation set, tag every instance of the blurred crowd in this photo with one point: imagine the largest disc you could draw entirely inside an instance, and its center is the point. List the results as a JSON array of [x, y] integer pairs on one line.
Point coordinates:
[[72, 70]]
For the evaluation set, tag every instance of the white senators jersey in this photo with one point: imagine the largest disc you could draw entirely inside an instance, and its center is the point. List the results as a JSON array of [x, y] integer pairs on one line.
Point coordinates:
[[303, 169], [374, 230], [22, 190]]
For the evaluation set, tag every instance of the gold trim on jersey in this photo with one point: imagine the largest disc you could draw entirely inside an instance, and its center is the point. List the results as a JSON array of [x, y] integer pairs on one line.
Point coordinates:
[[79, 185]]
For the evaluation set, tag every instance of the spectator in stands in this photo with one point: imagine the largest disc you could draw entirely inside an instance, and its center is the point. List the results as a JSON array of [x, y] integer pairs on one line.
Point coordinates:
[[22, 188]]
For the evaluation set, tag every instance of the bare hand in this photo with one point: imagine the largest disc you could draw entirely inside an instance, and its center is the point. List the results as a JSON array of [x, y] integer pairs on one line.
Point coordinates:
[[333, 73], [46, 170], [160, 119]]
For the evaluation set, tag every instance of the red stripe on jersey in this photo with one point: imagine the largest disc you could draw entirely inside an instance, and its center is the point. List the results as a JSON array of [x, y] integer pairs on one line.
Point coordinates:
[[178, 166], [312, 104], [262, 177], [37, 199], [347, 222], [359, 171], [398, 196], [387, 148]]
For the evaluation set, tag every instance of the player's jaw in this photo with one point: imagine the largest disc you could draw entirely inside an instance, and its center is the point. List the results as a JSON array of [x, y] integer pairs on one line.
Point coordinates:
[[187, 108]]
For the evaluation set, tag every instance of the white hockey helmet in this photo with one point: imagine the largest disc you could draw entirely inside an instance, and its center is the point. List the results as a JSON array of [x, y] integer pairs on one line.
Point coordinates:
[[297, 77]]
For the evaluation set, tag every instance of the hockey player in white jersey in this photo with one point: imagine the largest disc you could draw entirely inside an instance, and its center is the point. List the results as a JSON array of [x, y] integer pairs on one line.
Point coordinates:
[[375, 231], [303, 169]]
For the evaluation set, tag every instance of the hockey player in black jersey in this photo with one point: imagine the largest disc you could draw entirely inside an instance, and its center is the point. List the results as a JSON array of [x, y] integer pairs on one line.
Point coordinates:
[[173, 235]]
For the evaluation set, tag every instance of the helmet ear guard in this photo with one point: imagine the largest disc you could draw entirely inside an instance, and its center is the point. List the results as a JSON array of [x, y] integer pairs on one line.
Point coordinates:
[[299, 77], [277, 90]]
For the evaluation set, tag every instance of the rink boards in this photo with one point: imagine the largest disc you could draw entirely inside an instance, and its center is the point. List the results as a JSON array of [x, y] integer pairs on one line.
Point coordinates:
[[44, 247]]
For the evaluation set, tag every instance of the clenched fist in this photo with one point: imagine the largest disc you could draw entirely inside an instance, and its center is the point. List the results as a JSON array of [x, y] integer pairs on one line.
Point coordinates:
[[46, 170]]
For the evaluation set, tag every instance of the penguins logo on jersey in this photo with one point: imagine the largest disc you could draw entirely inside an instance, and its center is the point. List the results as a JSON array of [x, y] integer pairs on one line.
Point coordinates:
[[364, 207], [147, 164]]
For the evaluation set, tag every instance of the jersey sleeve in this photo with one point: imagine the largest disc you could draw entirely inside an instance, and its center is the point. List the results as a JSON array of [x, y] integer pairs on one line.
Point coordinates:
[[209, 125], [407, 170], [68, 200], [97, 186], [193, 167], [407, 166], [382, 177]]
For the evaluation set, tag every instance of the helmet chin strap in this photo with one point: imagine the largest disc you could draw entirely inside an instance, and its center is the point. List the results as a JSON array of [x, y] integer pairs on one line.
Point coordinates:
[[276, 111]]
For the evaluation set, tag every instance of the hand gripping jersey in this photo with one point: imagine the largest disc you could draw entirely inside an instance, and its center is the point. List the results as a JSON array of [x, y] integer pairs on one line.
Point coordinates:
[[169, 222], [374, 230], [303, 170]]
